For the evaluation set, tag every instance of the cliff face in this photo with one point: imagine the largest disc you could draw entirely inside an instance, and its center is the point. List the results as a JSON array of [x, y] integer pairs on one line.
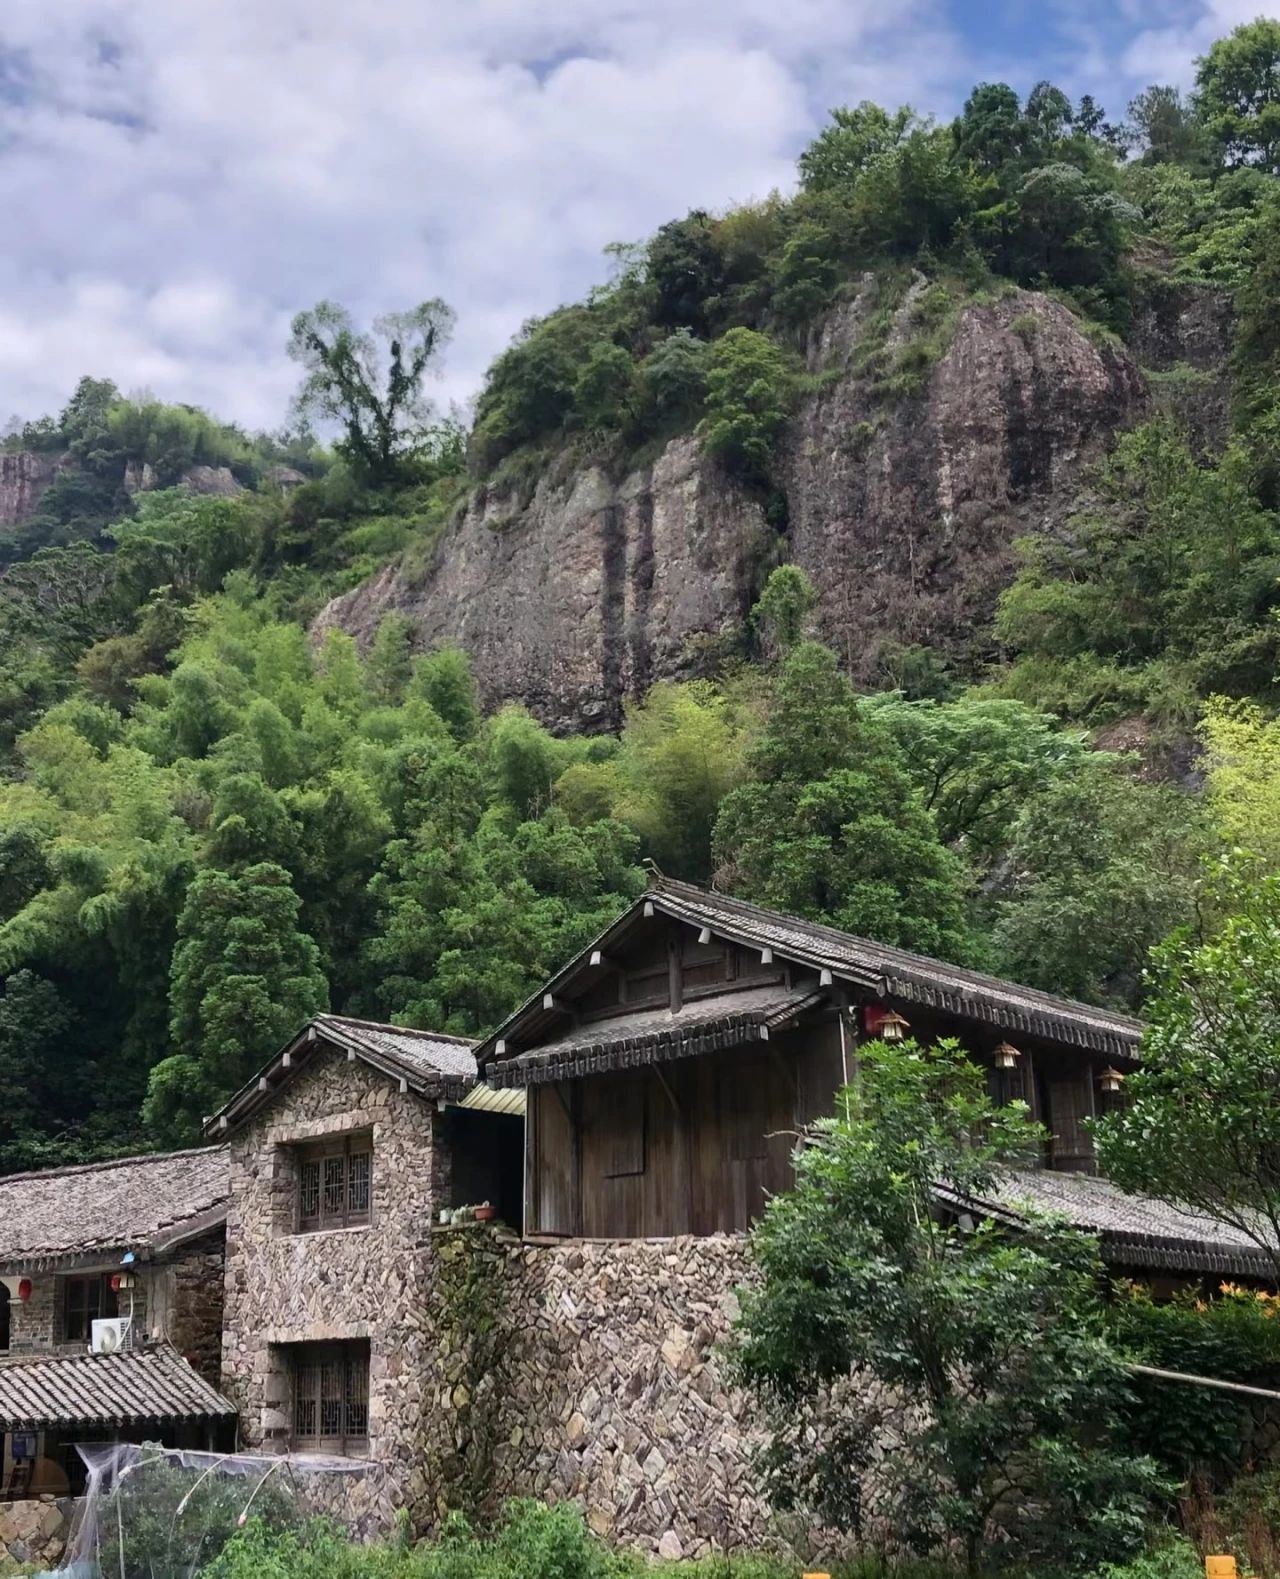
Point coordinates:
[[903, 511], [590, 592], [24, 476]]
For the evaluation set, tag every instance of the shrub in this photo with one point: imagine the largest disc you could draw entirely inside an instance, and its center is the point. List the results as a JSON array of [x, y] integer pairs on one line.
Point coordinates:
[[1235, 1337], [750, 389]]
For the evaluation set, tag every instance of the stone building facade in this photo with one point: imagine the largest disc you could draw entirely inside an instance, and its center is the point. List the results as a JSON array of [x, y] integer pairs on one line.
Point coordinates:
[[350, 1298]]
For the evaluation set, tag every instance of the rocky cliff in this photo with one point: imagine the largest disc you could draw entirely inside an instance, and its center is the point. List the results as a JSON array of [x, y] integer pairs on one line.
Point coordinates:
[[24, 476], [902, 508]]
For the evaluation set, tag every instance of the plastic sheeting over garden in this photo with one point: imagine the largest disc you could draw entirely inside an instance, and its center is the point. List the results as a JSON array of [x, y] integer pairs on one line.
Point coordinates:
[[156, 1513]]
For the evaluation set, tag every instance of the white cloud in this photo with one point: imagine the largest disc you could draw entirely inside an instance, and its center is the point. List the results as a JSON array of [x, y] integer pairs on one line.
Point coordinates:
[[178, 177]]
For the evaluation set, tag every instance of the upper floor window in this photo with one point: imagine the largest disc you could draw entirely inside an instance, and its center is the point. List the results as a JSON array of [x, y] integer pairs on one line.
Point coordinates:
[[84, 1301], [335, 1179], [331, 1397]]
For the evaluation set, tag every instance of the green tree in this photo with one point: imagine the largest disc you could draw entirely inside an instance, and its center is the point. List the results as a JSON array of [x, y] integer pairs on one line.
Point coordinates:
[[1100, 867], [1164, 127], [603, 393], [783, 608], [1238, 94], [371, 383], [750, 392], [977, 763], [828, 825], [855, 140], [444, 680], [1201, 1124], [687, 273], [966, 1363], [673, 379], [243, 979]]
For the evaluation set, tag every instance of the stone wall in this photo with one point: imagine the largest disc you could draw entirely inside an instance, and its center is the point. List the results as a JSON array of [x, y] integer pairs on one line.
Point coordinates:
[[367, 1283], [187, 1303], [611, 1392], [35, 1531]]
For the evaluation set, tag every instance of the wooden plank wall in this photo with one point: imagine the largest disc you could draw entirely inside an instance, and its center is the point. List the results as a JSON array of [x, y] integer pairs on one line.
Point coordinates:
[[686, 1147]]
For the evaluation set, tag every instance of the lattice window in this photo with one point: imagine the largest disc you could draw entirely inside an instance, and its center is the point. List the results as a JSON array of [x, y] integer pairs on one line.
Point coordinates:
[[331, 1397], [335, 1184]]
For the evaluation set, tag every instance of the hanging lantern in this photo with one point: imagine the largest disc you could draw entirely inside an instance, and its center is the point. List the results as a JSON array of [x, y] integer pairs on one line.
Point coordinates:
[[1007, 1056], [1110, 1080], [893, 1028], [24, 1289]]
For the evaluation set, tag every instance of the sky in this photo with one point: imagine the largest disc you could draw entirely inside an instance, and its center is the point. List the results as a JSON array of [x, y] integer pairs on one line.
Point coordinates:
[[179, 177]]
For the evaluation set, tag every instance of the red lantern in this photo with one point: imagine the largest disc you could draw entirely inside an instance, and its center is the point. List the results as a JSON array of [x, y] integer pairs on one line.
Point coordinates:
[[24, 1289], [115, 1282]]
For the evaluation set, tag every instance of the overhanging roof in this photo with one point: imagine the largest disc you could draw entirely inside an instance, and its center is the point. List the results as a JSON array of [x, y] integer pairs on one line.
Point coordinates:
[[875, 968], [1134, 1231], [652, 1036], [426, 1062], [129, 1387], [96, 1211]]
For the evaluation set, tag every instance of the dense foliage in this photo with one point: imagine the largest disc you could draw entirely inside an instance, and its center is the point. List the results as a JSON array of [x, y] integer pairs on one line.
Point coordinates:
[[212, 824], [1207, 1086], [966, 1364]]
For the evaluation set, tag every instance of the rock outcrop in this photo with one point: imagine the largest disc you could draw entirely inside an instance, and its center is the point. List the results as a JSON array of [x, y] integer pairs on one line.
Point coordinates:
[[588, 593], [902, 509], [24, 476]]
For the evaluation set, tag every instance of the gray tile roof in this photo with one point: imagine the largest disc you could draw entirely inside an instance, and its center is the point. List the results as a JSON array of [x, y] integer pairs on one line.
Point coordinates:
[[426, 1052], [427, 1062], [125, 1388], [880, 969], [132, 1203], [1134, 1230], [900, 974], [651, 1035]]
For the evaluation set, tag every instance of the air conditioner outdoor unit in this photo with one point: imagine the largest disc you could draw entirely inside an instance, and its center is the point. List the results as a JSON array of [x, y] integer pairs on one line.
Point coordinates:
[[111, 1334]]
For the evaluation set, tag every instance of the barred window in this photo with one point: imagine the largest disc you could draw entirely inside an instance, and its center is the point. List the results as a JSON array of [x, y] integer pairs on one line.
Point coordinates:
[[334, 1181], [331, 1397]]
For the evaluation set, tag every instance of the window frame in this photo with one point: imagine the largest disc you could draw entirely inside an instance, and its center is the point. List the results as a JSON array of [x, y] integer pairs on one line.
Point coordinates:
[[312, 1368], [108, 1305], [346, 1152]]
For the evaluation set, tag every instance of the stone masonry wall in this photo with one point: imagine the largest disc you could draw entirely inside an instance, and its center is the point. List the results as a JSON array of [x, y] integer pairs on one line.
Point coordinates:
[[369, 1283], [34, 1530], [611, 1391], [187, 1303]]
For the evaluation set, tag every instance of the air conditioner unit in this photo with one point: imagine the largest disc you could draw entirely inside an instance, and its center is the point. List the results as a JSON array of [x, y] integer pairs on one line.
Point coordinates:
[[111, 1334]]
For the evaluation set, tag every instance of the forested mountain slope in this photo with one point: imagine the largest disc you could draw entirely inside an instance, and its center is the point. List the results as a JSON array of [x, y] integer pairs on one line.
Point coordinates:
[[815, 554]]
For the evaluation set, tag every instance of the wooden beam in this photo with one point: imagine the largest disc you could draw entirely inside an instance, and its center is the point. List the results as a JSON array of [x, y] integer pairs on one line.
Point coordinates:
[[766, 956], [560, 1098], [286, 1060], [351, 1055], [824, 978], [675, 974], [404, 1087], [263, 1083], [764, 1033], [600, 959], [500, 1047], [705, 935], [648, 909]]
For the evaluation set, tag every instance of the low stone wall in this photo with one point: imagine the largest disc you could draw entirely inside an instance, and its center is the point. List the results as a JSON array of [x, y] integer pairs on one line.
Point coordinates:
[[609, 1390], [35, 1531]]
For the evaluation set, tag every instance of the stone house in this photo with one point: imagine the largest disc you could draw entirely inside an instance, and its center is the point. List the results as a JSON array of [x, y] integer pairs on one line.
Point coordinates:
[[135, 1245], [343, 1150]]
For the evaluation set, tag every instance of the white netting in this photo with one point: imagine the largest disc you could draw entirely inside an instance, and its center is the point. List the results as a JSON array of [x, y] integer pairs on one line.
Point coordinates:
[[160, 1513]]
